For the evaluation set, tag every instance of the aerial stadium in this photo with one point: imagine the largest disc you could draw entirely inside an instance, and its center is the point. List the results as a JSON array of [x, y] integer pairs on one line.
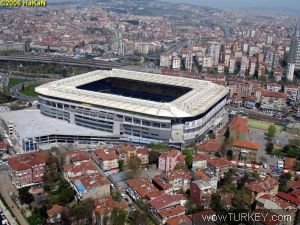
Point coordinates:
[[138, 106], [118, 106]]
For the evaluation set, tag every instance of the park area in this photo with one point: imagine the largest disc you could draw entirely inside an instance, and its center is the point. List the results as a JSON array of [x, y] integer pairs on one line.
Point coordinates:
[[263, 125], [29, 90]]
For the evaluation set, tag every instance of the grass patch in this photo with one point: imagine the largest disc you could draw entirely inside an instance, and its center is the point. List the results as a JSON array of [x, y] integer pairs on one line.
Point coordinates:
[[14, 81], [29, 91], [262, 125]]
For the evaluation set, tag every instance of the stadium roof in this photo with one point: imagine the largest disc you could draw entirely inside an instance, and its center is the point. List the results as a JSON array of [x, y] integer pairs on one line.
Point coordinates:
[[31, 123], [203, 95]]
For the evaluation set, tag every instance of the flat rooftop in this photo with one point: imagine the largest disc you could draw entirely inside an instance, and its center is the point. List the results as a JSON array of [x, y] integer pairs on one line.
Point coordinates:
[[31, 123], [193, 98]]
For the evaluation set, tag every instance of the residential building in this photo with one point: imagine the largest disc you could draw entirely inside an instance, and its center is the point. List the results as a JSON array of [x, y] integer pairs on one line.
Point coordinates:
[[244, 150], [201, 192], [167, 206], [208, 176], [213, 51], [273, 87], [179, 220], [272, 101], [27, 169], [294, 54], [200, 161], [173, 181], [55, 214], [103, 208], [176, 63], [277, 206], [290, 71], [107, 159], [210, 146], [79, 169], [219, 166], [141, 188], [168, 160], [143, 155], [76, 156], [263, 186]]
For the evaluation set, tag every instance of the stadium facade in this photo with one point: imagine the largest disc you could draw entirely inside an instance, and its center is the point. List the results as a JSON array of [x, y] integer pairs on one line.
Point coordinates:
[[136, 106]]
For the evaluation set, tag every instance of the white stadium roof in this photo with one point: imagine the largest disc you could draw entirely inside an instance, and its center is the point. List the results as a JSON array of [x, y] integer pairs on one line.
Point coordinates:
[[203, 95]]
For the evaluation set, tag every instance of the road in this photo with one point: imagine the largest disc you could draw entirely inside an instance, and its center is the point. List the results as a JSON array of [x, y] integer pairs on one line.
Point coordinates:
[[5, 188], [15, 90]]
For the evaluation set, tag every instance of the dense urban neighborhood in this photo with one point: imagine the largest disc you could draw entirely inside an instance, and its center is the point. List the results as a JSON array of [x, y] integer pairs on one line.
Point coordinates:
[[149, 113]]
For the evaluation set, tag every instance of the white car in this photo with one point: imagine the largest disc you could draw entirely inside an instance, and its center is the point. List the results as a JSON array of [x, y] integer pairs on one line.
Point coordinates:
[[280, 163]]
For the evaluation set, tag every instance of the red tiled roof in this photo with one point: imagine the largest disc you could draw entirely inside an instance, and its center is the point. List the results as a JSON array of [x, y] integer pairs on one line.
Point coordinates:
[[172, 154], [77, 155], [80, 167], [274, 94], [56, 209], [106, 205], [262, 185], [142, 186], [177, 210], [212, 145], [161, 182], [289, 163], [182, 219], [176, 174], [142, 151], [198, 217], [295, 184], [27, 160], [2, 145], [105, 155], [283, 204], [219, 162], [90, 181], [289, 198], [165, 200], [239, 125], [201, 157], [245, 144]]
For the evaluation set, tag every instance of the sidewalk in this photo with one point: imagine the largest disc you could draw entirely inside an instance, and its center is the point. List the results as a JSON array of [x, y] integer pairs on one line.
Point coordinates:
[[9, 217]]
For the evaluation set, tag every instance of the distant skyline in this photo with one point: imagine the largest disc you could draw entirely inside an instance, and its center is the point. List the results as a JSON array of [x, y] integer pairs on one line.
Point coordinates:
[[233, 4]]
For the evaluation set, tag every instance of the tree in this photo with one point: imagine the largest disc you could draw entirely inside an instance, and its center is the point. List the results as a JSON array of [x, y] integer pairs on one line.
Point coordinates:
[[154, 156], [216, 203], [116, 196], [283, 180], [269, 147], [271, 131], [25, 196], [82, 213], [51, 174], [121, 165], [133, 164], [193, 207], [140, 217], [188, 157], [118, 217], [242, 199], [241, 183]]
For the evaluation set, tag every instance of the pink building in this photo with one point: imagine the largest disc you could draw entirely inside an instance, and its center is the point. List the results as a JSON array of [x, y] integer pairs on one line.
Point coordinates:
[[27, 169], [201, 192], [168, 160]]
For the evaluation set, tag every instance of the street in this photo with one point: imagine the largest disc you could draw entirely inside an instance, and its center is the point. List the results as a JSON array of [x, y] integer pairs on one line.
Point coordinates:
[[5, 189]]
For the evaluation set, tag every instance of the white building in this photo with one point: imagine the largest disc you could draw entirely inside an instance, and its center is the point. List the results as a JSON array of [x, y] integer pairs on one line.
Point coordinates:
[[290, 71], [214, 51], [176, 63]]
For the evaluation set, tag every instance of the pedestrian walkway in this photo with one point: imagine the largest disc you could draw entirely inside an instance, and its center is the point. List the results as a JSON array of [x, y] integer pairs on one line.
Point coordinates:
[[8, 216]]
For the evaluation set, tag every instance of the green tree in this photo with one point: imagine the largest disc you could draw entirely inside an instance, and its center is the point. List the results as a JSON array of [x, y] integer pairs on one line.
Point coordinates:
[[193, 207], [188, 157], [133, 164], [154, 156], [25, 196], [140, 217], [271, 131], [82, 213], [118, 217], [242, 199]]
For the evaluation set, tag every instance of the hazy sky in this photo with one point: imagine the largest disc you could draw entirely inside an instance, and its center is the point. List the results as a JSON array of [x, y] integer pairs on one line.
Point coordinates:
[[289, 4]]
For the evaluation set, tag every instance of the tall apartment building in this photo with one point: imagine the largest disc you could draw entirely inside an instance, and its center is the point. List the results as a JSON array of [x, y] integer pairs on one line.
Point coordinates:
[[294, 54], [290, 71], [214, 51]]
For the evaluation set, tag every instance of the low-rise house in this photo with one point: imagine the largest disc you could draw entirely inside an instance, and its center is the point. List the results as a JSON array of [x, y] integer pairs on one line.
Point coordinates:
[[90, 186], [250, 102], [200, 161], [211, 146], [294, 200], [263, 186], [180, 220], [168, 160], [245, 150], [277, 206], [78, 169], [27, 169], [141, 188], [107, 160], [76, 156], [125, 151], [219, 166], [173, 181], [201, 192], [143, 155], [103, 208], [207, 176], [167, 206], [55, 214]]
